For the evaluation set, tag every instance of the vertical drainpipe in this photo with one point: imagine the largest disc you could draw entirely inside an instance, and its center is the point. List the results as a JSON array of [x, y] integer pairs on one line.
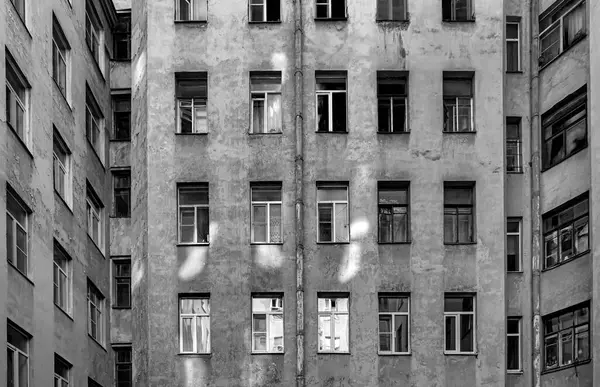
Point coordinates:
[[536, 251], [299, 189]]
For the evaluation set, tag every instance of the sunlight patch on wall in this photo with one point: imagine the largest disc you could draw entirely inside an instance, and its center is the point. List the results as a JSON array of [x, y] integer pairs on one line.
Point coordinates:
[[350, 264], [279, 61], [194, 263], [269, 256], [137, 273]]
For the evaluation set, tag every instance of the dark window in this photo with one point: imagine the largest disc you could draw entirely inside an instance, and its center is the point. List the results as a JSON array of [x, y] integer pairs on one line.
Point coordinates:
[[17, 99], [331, 9], [560, 28], [394, 321], [122, 117], [92, 383], [393, 212], [564, 129], [191, 10], [122, 194], [123, 366], [94, 121], [122, 38], [513, 46], [122, 274], [392, 101], [191, 94], [60, 57], [17, 228], [459, 321], [513, 244], [567, 337], [331, 101], [513, 342], [458, 101], [391, 10], [514, 157], [62, 369], [93, 30], [264, 10], [457, 10], [459, 214], [566, 232]]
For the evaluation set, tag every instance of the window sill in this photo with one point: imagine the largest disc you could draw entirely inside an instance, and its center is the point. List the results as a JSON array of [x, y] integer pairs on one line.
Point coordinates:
[[266, 244], [459, 244], [333, 243], [579, 363], [331, 19], [94, 242], [399, 21], [190, 21], [458, 21], [323, 132], [514, 272], [192, 244], [265, 22], [64, 201], [120, 140], [515, 172], [566, 261], [264, 134], [461, 354], [566, 158], [20, 140], [199, 355], [394, 353], [469, 132], [64, 97], [64, 312], [581, 38], [514, 72], [121, 307], [405, 132], [22, 20], [95, 153], [332, 353], [267, 353], [395, 243], [119, 217], [97, 342], [514, 372], [121, 60], [190, 134], [21, 273]]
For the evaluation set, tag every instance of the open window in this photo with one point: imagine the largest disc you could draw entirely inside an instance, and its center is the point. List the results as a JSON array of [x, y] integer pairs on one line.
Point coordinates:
[[192, 94], [264, 11], [392, 101], [458, 101], [265, 90], [331, 101]]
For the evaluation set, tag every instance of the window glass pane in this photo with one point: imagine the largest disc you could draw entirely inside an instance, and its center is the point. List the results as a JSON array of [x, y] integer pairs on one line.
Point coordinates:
[[185, 117], [15, 209], [203, 224], [341, 304], [566, 320], [566, 243], [465, 227], [461, 8], [393, 197], [187, 336], [276, 332], [512, 31], [329, 194], [275, 223], [339, 112], [325, 333], [512, 361], [512, 56], [457, 88], [273, 10], [259, 223], [450, 226], [399, 114], [274, 113], [513, 326], [325, 225], [512, 252], [566, 347], [582, 344], [466, 333], [200, 117], [193, 196], [385, 342], [260, 341], [551, 349], [261, 304], [10, 367], [401, 328], [341, 222], [574, 25], [191, 85], [393, 304], [384, 114], [458, 304], [266, 194], [322, 111], [385, 224], [23, 371], [582, 315], [258, 112], [201, 306], [551, 249], [200, 9], [576, 137], [16, 338], [260, 323], [458, 196], [551, 325], [512, 226], [203, 334], [385, 323], [450, 333], [555, 150], [341, 332], [324, 304]]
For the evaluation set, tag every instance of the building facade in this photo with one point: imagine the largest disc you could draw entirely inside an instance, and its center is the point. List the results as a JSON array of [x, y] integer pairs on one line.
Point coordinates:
[[327, 193]]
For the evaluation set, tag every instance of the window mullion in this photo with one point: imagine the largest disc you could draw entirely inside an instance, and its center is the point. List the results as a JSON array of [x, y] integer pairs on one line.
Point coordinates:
[[332, 332], [329, 8], [394, 349], [391, 109], [330, 107], [195, 239], [268, 236], [457, 332]]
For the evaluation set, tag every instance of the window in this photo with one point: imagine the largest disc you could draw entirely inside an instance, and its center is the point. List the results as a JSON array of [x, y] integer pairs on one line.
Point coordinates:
[[61, 372], [191, 10], [394, 324], [560, 28], [333, 323], [93, 31], [60, 57], [392, 101], [94, 209], [458, 213], [391, 10], [122, 37], [393, 212], [122, 278], [20, 7], [566, 337], [94, 125], [264, 11], [62, 167], [193, 213], [17, 99], [191, 93], [513, 44], [458, 102], [95, 313], [122, 193], [62, 278], [267, 323], [457, 10], [513, 244], [123, 366], [122, 117], [331, 9], [564, 129], [513, 341], [459, 323], [194, 324], [265, 89], [331, 101], [266, 214], [17, 356], [92, 383], [332, 213], [17, 239], [514, 163], [566, 233]]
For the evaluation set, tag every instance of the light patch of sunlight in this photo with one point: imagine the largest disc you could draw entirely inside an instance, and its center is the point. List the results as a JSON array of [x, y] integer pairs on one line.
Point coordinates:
[[194, 263], [350, 264], [195, 370], [269, 256], [137, 274], [360, 228], [139, 68], [279, 60]]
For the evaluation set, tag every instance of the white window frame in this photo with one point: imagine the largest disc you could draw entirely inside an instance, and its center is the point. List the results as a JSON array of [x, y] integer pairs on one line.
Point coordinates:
[[518, 235], [15, 226], [195, 317], [520, 341], [278, 304], [262, 96], [25, 134], [65, 169], [333, 216], [322, 2], [95, 31], [98, 303], [329, 94], [59, 381], [518, 41], [454, 113], [561, 333], [267, 204], [94, 211], [195, 207], [258, 3], [15, 353], [191, 16], [456, 316], [394, 314], [453, 11], [97, 128], [194, 103], [560, 25], [332, 315], [68, 278], [64, 56]]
